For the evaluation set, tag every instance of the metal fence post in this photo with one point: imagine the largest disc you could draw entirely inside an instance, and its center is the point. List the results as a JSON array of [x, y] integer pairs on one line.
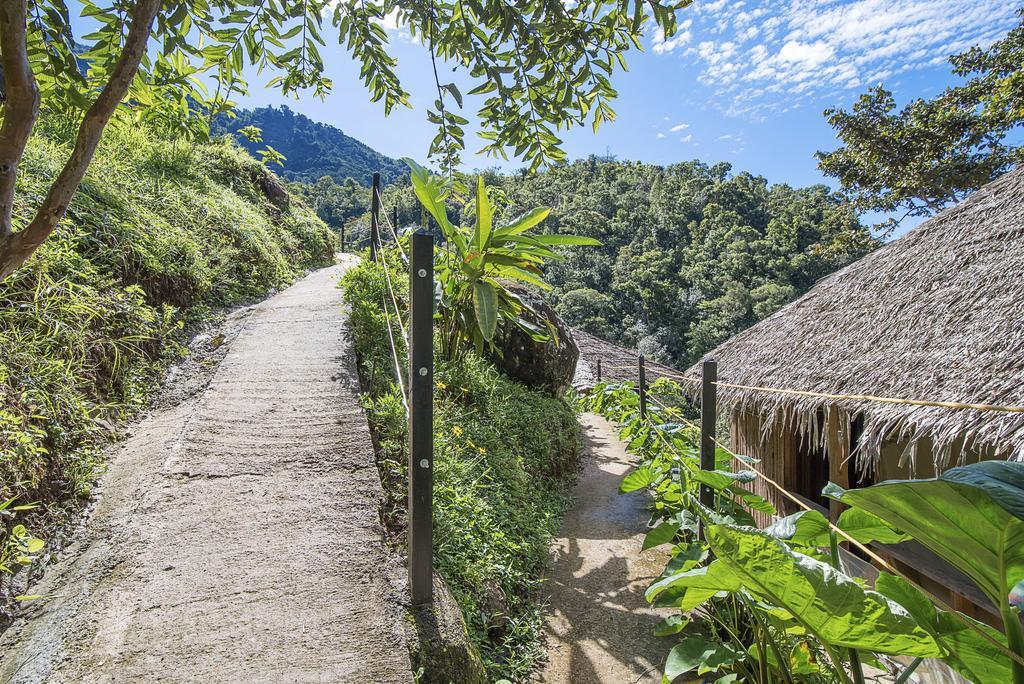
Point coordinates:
[[374, 216], [421, 418], [708, 418], [643, 387], [599, 370]]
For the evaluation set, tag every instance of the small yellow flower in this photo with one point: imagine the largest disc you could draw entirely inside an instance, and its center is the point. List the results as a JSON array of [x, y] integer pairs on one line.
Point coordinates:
[[441, 385], [481, 450], [457, 431]]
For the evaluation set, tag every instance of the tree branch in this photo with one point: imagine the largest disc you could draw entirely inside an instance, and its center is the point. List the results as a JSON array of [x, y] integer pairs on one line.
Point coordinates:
[[22, 104], [16, 248]]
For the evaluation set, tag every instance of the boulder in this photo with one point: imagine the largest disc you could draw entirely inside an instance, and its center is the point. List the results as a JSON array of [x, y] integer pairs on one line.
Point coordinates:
[[440, 647], [547, 366], [271, 186]]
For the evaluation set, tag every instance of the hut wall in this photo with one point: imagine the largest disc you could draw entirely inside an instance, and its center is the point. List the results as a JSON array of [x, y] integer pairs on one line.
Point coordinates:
[[776, 450], [904, 460]]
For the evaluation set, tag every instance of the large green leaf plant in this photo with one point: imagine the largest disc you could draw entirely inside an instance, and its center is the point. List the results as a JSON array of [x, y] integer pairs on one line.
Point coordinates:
[[476, 264], [774, 605]]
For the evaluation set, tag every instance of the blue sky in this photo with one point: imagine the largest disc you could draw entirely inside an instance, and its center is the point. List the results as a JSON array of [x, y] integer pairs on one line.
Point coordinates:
[[743, 81]]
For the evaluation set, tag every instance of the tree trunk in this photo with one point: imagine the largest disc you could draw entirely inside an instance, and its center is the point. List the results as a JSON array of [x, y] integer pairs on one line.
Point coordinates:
[[16, 248], [21, 107]]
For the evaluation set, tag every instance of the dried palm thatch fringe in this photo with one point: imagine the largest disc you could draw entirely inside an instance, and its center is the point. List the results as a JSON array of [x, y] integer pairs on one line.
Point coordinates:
[[617, 363], [937, 314]]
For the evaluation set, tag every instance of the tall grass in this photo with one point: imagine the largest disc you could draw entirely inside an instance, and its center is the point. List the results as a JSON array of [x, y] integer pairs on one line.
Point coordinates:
[[159, 234]]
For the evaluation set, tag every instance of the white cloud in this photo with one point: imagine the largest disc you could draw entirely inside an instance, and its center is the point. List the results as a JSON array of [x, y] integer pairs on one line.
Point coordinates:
[[686, 138], [679, 127], [660, 135], [759, 56], [660, 44]]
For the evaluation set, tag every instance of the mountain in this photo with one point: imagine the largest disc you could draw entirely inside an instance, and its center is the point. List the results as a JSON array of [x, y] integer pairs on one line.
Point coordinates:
[[312, 149]]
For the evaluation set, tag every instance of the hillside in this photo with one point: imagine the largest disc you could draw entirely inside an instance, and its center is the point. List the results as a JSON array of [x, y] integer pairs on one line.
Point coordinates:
[[691, 253], [312, 149], [158, 236]]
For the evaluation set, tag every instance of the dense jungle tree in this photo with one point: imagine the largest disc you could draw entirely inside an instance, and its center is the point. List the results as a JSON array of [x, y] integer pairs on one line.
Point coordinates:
[[691, 254], [932, 153]]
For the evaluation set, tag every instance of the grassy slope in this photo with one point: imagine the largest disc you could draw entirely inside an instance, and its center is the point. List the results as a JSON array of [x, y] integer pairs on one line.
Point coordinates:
[[503, 457], [158, 235]]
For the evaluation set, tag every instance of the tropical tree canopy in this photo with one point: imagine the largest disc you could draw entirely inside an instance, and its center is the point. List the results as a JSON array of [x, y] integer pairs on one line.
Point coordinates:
[[932, 153], [540, 65]]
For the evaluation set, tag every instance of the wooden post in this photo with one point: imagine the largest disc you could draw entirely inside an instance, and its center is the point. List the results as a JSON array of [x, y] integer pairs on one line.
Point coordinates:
[[837, 450], [421, 418], [708, 418], [599, 370], [342, 237], [374, 216], [643, 386], [394, 223]]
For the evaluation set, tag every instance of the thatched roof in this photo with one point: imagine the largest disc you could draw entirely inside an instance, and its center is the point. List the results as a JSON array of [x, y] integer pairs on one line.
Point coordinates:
[[617, 363], [935, 315]]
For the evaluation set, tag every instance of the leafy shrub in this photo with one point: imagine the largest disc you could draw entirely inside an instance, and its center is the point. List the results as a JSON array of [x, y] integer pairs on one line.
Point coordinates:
[[476, 260], [774, 605], [158, 234], [503, 454]]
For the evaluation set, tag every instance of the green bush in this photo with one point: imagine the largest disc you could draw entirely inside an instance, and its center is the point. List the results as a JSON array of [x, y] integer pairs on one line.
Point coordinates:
[[158, 235], [503, 456]]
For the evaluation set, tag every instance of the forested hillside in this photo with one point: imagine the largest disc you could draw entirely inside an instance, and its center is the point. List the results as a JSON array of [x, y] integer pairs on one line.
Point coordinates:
[[691, 254], [312, 149]]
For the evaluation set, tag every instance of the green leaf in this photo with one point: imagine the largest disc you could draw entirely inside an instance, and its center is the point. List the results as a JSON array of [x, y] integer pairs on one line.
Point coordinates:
[[808, 528], [698, 653], [641, 478], [673, 624], [525, 222], [708, 579], [966, 651], [565, 240], [969, 516], [662, 534], [483, 216], [866, 527], [485, 305], [831, 605]]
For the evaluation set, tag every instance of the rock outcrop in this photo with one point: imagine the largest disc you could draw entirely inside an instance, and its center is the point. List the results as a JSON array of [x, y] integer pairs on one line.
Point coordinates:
[[548, 366]]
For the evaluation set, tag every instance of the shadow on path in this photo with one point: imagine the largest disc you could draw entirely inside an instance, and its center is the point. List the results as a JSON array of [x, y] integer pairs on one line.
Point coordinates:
[[599, 624]]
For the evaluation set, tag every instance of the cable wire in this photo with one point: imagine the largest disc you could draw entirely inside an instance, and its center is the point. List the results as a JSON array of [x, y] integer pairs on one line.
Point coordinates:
[[394, 230], [391, 337]]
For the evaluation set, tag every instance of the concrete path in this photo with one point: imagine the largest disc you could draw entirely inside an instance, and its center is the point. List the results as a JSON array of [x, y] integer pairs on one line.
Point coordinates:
[[237, 536], [599, 624]]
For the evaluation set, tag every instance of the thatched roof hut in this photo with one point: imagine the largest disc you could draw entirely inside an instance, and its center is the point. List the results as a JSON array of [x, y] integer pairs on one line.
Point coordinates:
[[935, 315], [618, 364]]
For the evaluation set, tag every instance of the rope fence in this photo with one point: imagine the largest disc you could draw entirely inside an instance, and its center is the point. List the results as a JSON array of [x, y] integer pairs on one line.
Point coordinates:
[[391, 227], [675, 413], [417, 391], [999, 408]]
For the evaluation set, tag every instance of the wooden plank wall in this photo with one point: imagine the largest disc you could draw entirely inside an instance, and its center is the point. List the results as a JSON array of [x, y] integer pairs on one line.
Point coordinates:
[[777, 455]]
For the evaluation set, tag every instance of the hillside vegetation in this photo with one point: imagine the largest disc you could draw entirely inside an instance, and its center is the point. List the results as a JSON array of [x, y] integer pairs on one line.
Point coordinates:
[[691, 253], [312, 149], [158, 236], [503, 457]]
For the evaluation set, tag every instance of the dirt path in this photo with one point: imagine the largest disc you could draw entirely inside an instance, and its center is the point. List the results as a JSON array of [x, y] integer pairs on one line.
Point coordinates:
[[599, 624], [237, 535]]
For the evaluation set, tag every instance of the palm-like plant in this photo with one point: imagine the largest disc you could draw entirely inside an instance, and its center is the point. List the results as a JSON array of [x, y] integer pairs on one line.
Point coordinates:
[[476, 262]]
